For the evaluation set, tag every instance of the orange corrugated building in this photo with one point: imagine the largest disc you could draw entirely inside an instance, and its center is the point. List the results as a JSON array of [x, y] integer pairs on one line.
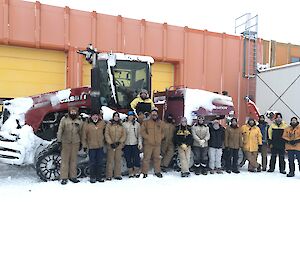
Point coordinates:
[[38, 45]]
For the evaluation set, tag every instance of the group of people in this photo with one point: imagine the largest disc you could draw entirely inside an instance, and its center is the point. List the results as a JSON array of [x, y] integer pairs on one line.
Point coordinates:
[[214, 147]]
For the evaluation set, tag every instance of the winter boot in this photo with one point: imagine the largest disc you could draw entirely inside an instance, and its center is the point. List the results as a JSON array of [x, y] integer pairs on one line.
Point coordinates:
[[74, 180], [64, 182], [282, 172], [236, 171], [258, 168], [198, 171], [145, 175], [228, 171], [291, 174], [158, 174], [185, 174], [93, 180], [118, 178], [204, 172]]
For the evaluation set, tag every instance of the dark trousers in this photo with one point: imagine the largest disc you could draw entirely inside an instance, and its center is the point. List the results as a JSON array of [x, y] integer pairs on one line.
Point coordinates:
[[292, 155], [200, 155], [96, 163], [280, 153], [232, 159], [132, 156]]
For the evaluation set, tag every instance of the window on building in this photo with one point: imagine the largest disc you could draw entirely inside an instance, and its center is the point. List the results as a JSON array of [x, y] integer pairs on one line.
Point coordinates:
[[295, 59]]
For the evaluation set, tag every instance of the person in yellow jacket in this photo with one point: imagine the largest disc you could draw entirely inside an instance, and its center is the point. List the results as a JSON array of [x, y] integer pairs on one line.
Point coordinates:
[[277, 143], [252, 138], [142, 103], [291, 135]]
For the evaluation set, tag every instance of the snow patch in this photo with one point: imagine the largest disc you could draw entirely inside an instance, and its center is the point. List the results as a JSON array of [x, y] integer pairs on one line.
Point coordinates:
[[196, 98], [60, 96], [108, 113]]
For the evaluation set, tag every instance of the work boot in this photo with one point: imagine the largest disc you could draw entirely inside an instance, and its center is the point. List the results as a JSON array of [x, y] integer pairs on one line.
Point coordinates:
[[145, 175], [108, 178], [93, 180], [131, 176], [270, 170], [236, 171], [197, 171], [158, 174], [228, 171], [258, 168], [163, 168], [137, 175], [185, 174], [118, 178], [291, 174], [282, 172], [64, 181], [100, 180], [74, 180], [204, 172]]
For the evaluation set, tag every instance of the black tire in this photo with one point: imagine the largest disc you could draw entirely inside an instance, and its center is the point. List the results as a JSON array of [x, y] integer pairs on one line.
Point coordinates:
[[48, 166]]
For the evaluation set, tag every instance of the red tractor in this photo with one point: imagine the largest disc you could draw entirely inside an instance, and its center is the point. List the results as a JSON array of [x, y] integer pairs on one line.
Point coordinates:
[[29, 125]]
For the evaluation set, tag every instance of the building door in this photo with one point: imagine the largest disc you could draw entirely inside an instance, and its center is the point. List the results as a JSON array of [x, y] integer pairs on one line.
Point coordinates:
[[162, 76], [28, 71]]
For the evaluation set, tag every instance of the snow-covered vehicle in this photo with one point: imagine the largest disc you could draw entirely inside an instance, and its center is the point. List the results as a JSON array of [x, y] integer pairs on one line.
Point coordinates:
[[29, 125]]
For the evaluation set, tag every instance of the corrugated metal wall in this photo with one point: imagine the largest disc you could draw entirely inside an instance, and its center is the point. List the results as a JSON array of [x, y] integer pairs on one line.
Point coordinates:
[[201, 59]]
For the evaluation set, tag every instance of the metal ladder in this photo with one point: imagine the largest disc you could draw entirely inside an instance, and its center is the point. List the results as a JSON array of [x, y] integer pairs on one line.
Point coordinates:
[[247, 26]]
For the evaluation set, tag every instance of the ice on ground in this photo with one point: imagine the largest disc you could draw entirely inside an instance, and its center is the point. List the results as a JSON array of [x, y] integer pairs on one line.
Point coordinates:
[[215, 215]]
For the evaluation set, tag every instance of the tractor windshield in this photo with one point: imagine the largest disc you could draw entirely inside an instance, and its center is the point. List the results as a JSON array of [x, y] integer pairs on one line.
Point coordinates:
[[129, 78]]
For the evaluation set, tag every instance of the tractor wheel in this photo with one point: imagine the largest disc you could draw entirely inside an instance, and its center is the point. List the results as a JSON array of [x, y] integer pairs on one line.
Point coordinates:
[[48, 167]]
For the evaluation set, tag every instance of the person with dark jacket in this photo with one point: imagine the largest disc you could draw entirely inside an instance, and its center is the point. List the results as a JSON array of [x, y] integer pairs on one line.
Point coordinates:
[[183, 139], [263, 149], [232, 143], [215, 145], [69, 136], [291, 135], [93, 140], [277, 143], [115, 136]]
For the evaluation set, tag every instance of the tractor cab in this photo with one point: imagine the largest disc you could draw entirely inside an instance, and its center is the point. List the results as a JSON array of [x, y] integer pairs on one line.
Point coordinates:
[[117, 78]]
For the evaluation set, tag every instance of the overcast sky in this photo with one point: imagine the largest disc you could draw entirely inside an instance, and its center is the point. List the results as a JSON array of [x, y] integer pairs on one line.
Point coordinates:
[[277, 20]]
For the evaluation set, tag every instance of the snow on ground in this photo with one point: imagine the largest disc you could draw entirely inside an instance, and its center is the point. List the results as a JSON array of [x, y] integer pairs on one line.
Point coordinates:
[[215, 215]]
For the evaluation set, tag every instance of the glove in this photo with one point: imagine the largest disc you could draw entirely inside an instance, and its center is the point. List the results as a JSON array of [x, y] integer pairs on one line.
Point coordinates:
[[113, 146], [140, 146], [184, 146], [117, 144], [292, 142], [202, 142], [59, 146], [259, 148]]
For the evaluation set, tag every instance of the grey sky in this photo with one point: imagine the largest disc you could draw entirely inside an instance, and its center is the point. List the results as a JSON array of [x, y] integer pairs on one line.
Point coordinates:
[[278, 20]]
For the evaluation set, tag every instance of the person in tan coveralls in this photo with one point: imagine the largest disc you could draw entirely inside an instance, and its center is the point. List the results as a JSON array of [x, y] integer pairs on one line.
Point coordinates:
[[167, 146], [69, 136], [115, 137], [152, 133], [93, 139]]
